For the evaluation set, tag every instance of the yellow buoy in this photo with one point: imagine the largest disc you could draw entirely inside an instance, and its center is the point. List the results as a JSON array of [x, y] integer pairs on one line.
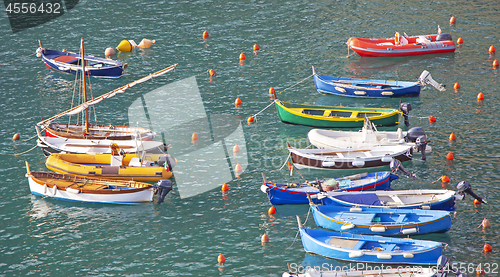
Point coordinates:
[[124, 46]]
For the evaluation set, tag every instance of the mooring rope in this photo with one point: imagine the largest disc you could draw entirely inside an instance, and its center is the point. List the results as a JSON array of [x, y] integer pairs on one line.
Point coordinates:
[[17, 154], [18, 59], [296, 83]]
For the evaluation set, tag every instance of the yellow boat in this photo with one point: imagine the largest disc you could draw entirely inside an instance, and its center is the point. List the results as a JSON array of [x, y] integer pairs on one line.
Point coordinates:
[[148, 167]]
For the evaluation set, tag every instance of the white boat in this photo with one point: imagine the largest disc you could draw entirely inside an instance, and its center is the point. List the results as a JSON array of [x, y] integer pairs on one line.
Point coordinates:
[[369, 136], [349, 158], [93, 190], [386, 271], [51, 145]]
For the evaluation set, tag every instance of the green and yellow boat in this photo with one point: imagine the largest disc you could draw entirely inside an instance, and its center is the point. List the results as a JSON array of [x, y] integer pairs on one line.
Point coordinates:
[[335, 116]]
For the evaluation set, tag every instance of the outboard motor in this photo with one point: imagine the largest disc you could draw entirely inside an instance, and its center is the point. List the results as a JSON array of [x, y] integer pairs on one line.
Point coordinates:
[[405, 108], [444, 267], [421, 143], [167, 160], [464, 187], [163, 187], [396, 167], [443, 37], [414, 133]]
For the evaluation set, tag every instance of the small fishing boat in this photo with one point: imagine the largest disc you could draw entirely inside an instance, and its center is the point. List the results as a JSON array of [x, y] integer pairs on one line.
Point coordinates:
[[426, 199], [296, 193], [442, 268], [71, 63], [362, 88], [51, 145], [88, 131], [381, 221], [349, 158], [334, 116], [369, 136], [145, 167], [386, 271], [94, 190], [400, 46], [369, 249]]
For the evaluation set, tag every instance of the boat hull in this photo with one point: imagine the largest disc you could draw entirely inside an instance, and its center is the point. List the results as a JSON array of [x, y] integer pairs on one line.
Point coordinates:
[[380, 221], [334, 117], [98, 132], [370, 249], [285, 194], [67, 62], [357, 88], [114, 195]]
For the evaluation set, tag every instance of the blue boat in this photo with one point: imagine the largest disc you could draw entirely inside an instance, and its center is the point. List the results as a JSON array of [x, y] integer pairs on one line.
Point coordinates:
[[427, 199], [369, 249], [71, 63], [296, 193], [380, 221], [364, 88]]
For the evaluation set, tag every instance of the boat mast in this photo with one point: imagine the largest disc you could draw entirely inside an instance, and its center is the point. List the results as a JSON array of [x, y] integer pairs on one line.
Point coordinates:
[[85, 91]]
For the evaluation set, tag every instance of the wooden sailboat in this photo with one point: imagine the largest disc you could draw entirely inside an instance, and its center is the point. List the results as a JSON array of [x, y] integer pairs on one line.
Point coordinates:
[[96, 132]]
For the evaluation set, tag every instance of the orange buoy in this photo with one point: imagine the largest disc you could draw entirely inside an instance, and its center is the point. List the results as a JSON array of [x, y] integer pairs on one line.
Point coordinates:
[[495, 63], [255, 47], [432, 119], [271, 210], [492, 49], [236, 148], [452, 137], [194, 136], [212, 72], [205, 34], [109, 52], [221, 259], [264, 238], [242, 56], [272, 90], [237, 102], [238, 169], [477, 202], [250, 119], [449, 156], [16, 136], [487, 248], [485, 223], [479, 269], [456, 85], [480, 96], [224, 187], [445, 179], [453, 19], [460, 40]]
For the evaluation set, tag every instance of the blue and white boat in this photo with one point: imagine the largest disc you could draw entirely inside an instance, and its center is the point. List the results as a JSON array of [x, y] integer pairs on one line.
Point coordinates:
[[71, 63], [369, 249], [380, 221], [296, 193], [366, 88], [428, 199]]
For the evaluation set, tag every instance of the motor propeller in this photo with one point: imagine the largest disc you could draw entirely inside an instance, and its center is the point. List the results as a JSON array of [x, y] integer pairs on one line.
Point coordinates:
[[465, 187], [396, 167]]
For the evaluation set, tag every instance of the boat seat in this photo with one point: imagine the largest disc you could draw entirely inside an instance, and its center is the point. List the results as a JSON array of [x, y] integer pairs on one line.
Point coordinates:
[[344, 243], [401, 218], [135, 162]]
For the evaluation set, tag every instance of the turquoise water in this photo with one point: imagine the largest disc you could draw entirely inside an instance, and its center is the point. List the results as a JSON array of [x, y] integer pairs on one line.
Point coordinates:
[[184, 235]]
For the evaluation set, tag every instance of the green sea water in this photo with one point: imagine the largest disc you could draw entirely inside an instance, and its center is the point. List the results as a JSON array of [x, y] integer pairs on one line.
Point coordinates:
[[184, 235]]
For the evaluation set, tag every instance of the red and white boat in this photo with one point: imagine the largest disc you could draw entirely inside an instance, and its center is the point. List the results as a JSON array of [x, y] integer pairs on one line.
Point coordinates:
[[399, 46]]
